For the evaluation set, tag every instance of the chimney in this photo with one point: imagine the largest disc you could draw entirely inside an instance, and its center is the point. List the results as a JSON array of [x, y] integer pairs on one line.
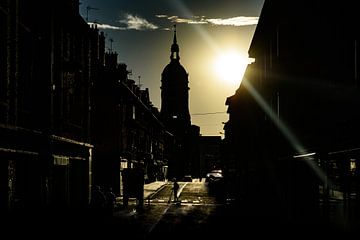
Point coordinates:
[[111, 59], [102, 49]]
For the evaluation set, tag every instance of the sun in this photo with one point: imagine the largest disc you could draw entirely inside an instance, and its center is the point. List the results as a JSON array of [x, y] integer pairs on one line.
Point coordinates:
[[230, 66]]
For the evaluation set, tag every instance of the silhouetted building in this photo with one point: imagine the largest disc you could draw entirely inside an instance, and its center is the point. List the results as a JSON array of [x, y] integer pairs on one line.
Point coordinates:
[[175, 113], [46, 67], [210, 154], [192, 147], [293, 123], [126, 130], [175, 94]]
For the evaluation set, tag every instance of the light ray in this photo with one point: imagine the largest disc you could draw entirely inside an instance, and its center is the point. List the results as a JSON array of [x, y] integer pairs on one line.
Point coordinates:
[[285, 131], [199, 28]]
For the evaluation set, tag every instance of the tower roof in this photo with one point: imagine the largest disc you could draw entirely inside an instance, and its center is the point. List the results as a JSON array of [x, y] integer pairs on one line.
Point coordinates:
[[174, 69], [175, 48]]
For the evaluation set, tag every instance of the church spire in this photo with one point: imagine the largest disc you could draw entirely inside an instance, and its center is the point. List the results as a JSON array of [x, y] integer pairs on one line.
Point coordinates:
[[175, 41], [175, 48]]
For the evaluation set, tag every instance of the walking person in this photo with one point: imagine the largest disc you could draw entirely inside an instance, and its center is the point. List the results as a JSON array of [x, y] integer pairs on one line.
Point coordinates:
[[110, 202], [97, 202], [176, 189]]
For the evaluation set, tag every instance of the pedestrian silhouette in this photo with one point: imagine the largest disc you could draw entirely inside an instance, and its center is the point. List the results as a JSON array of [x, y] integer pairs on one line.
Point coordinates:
[[175, 190], [97, 202], [110, 201]]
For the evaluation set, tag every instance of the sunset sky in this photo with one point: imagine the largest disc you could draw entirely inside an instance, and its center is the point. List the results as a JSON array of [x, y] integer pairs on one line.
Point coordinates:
[[213, 37]]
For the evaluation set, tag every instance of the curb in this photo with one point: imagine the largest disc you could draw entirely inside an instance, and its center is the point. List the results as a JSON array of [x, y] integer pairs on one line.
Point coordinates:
[[155, 192]]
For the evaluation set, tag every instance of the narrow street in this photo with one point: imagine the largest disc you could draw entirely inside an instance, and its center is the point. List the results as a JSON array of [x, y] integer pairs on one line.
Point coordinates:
[[196, 213], [189, 193], [200, 215]]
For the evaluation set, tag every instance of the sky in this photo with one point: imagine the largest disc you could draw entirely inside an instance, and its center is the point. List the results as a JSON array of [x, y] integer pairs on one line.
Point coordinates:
[[214, 37]]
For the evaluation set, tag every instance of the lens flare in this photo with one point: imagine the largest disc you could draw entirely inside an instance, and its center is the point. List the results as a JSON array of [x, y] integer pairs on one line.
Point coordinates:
[[293, 140], [230, 66]]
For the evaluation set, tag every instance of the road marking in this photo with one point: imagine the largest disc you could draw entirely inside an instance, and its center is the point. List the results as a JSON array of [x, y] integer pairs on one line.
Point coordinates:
[[180, 190], [156, 223], [189, 203]]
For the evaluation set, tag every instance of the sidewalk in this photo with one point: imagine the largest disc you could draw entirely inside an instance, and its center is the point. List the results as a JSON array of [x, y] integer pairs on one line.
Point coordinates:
[[149, 190]]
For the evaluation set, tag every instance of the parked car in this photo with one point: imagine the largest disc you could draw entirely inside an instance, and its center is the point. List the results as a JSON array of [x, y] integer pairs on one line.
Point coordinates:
[[214, 175], [187, 178]]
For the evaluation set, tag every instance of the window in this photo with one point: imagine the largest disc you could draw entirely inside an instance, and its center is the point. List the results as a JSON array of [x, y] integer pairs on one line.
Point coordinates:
[[133, 112]]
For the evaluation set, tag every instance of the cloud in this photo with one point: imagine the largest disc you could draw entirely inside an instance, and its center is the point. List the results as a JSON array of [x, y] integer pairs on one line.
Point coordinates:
[[234, 21], [134, 22], [177, 19], [106, 26], [161, 16], [194, 20], [130, 22]]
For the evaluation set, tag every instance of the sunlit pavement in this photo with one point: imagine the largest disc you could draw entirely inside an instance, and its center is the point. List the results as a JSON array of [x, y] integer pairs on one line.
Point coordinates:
[[158, 220], [158, 212]]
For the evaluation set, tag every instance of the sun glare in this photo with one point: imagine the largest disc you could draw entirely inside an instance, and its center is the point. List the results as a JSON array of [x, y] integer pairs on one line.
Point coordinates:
[[230, 66]]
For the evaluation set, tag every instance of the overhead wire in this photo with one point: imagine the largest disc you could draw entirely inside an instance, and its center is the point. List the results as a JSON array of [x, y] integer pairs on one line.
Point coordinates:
[[206, 113]]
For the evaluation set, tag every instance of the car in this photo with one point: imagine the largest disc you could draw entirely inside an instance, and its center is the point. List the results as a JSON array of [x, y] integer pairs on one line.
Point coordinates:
[[187, 178], [214, 175]]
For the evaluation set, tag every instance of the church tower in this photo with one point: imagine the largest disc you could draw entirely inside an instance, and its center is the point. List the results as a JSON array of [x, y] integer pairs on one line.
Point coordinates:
[[175, 94]]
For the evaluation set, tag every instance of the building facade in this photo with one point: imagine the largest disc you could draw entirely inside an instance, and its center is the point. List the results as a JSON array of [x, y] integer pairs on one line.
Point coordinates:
[[70, 117], [292, 123], [47, 65], [126, 130]]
